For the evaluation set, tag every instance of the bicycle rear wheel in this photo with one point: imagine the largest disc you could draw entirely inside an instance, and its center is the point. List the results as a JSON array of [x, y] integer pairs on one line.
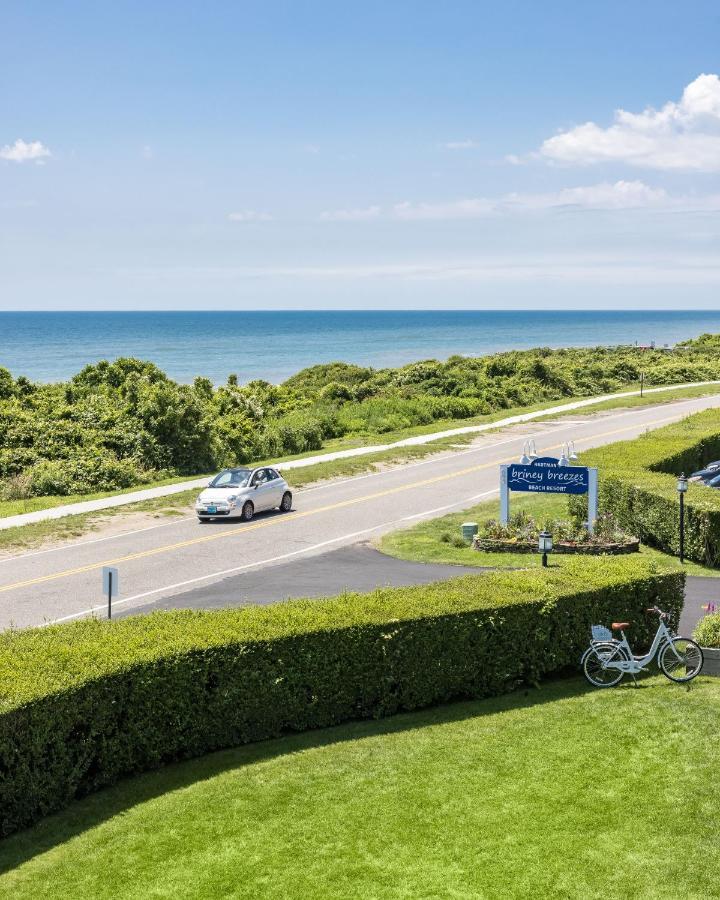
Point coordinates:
[[681, 659], [595, 663]]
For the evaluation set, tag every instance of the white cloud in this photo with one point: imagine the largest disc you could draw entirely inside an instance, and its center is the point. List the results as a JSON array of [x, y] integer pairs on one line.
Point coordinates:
[[683, 136], [460, 145], [21, 151], [471, 208], [605, 195], [616, 269], [351, 215], [620, 195], [249, 215]]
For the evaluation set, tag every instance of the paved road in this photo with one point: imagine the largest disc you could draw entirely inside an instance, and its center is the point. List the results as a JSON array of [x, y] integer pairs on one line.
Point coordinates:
[[175, 557]]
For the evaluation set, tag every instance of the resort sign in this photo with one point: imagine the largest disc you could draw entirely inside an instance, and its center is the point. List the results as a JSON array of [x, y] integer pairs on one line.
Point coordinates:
[[547, 475]]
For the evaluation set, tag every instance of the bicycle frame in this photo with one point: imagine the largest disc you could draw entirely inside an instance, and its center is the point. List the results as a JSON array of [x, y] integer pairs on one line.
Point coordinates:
[[636, 664]]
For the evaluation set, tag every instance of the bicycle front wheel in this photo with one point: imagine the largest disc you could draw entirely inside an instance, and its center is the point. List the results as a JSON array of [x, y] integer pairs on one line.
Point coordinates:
[[681, 659], [595, 665]]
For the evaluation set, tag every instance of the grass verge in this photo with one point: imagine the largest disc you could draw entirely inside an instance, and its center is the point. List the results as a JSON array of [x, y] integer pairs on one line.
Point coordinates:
[[26, 537], [553, 792], [436, 539]]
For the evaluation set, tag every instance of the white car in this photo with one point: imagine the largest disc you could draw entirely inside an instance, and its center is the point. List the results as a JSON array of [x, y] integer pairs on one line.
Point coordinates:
[[240, 493]]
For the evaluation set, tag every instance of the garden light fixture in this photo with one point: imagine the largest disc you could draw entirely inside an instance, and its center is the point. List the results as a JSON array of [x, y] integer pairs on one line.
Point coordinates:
[[545, 545], [682, 486]]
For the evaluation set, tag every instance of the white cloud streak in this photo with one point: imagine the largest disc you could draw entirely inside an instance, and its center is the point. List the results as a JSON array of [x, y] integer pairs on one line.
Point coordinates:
[[249, 215], [681, 136], [351, 215], [460, 145], [620, 195], [611, 270], [22, 151]]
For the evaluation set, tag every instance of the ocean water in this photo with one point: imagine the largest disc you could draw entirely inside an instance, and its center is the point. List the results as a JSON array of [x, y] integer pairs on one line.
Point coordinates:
[[52, 346]]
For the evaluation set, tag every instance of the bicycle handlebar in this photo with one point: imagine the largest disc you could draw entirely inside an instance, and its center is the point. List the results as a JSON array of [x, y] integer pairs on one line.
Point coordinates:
[[657, 611]]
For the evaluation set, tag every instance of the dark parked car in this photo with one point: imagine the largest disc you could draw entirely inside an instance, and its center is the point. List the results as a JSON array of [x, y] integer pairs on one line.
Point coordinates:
[[710, 470]]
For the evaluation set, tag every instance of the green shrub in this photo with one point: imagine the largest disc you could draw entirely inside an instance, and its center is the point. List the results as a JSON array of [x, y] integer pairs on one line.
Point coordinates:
[[707, 632], [85, 703], [638, 485]]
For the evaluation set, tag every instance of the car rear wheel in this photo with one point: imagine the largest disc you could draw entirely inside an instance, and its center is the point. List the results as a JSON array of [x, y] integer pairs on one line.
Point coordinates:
[[247, 511], [286, 502]]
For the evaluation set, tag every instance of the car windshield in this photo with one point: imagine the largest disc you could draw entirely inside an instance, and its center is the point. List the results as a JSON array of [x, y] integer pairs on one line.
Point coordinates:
[[709, 469], [231, 478], [713, 482]]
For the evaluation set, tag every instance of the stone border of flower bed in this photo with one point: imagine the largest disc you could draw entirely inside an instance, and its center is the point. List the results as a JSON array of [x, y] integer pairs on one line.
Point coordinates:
[[498, 545], [711, 661]]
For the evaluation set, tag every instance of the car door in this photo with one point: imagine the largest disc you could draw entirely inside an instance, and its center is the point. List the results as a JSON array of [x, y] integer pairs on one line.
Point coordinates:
[[261, 496], [276, 486]]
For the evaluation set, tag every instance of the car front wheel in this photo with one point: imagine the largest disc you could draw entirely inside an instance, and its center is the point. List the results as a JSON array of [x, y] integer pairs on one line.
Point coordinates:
[[286, 502], [247, 511]]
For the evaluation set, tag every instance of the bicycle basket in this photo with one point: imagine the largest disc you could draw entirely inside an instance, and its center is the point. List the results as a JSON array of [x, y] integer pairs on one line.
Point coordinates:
[[600, 633]]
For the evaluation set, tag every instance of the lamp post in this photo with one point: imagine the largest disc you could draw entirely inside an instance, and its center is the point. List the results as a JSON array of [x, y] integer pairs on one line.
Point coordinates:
[[682, 486], [545, 545]]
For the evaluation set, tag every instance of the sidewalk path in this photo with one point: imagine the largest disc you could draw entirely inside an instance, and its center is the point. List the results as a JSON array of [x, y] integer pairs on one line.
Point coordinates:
[[88, 506]]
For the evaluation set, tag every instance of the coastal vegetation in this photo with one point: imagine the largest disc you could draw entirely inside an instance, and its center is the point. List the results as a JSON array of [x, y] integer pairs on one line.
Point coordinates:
[[120, 424], [83, 704]]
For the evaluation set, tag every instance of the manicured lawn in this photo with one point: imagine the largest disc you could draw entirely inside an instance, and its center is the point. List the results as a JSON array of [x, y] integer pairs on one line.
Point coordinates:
[[552, 792], [436, 539]]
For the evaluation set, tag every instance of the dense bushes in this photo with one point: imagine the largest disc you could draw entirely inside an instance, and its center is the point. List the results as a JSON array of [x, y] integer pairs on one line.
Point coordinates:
[[83, 704], [123, 423], [638, 485]]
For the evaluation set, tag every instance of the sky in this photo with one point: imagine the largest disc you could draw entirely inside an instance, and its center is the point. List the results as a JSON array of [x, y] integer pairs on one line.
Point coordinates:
[[290, 155]]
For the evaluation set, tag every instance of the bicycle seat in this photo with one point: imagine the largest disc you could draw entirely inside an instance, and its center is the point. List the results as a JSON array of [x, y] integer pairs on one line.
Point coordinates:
[[618, 626]]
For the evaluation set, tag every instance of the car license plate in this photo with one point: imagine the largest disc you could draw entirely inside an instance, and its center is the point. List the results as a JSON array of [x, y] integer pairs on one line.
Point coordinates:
[[212, 509]]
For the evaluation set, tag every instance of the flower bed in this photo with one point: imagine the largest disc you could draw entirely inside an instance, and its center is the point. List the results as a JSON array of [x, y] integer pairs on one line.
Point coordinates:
[[521, 535], [614, 548]]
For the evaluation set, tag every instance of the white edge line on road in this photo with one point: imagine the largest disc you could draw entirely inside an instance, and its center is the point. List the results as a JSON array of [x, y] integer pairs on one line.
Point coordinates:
[[262, 562], [434, 459]]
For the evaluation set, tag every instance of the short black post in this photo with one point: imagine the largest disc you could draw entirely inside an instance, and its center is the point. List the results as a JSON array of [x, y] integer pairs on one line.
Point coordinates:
[[110, 574], [544, 561]]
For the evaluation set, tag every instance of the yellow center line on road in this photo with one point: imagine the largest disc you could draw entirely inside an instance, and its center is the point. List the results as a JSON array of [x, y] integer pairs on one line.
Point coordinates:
[[168, 548]]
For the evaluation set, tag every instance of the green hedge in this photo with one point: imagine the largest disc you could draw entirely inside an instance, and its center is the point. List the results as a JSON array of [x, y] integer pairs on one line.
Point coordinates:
[[85, 703], [638, 485]]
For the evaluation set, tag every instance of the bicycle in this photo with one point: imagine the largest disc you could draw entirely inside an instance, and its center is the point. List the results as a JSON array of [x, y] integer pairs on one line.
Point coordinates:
[[608, 659]]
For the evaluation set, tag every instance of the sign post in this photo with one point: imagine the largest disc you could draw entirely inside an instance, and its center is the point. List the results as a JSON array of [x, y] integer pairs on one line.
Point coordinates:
[[545, 475], [111, 585]]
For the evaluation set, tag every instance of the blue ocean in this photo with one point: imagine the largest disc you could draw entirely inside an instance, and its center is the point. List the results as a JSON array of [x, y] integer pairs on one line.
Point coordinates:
[[52, 346]]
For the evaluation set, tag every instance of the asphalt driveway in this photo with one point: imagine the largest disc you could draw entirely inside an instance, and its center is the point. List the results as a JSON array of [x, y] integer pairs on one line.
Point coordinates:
[[359, 567]]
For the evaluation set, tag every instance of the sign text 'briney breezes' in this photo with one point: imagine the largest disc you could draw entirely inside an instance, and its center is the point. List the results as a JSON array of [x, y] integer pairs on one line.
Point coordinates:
[[545, 475]]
